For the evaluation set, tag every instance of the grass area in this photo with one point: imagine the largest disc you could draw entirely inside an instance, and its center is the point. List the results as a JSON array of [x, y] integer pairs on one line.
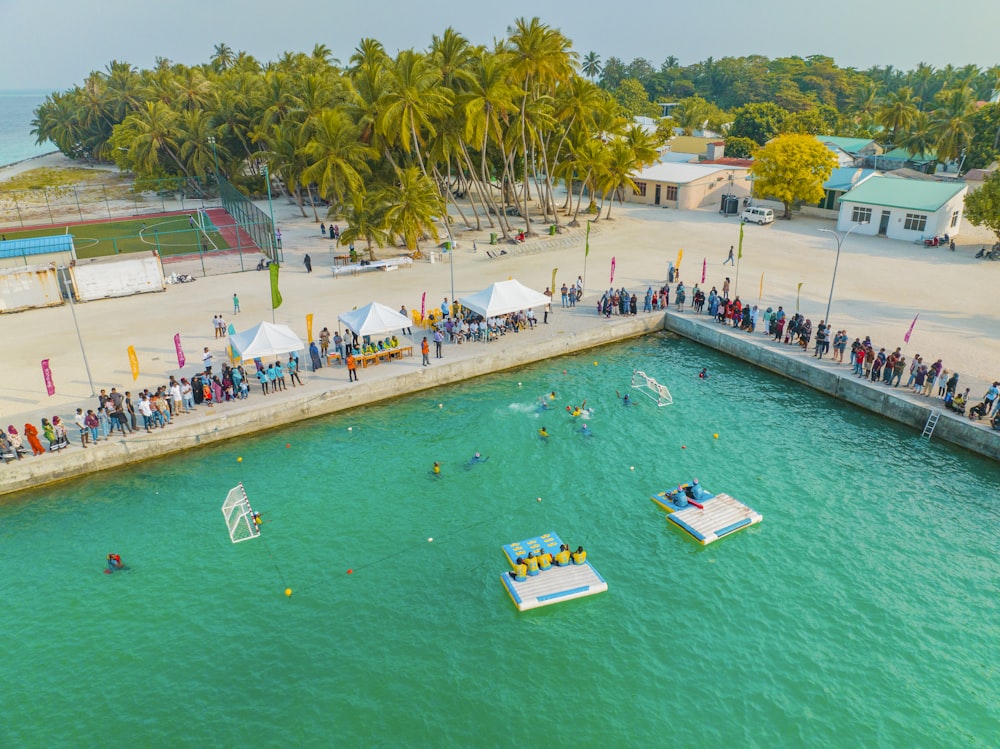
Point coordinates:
[[171, 235]]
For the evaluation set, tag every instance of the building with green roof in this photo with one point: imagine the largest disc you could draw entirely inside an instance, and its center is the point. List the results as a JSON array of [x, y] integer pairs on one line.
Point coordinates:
[[905, 209]]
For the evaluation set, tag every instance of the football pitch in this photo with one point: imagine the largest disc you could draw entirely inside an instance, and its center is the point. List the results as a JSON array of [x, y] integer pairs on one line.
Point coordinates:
[[170, 235]]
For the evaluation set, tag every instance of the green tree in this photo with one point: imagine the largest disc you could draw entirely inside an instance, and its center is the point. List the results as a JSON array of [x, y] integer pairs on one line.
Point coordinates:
[[337, 157], [591, 65], [740, 148], [758, 122], [985, 146], [413, 205], [982, 207], [634, 100], [793, 168]]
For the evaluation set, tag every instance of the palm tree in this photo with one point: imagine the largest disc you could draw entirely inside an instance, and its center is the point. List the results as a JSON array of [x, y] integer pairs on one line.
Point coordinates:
[[366, 220], [336, 155], [949, 125], [918, 139], [898, 112], [156, 138], [415, 97], [413, 205], [222, 58], [589, 160], [619, 167], [591, 66]]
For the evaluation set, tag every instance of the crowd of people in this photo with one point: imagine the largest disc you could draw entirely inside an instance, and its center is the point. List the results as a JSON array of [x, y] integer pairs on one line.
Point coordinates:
[[539, 561], [150, 409]]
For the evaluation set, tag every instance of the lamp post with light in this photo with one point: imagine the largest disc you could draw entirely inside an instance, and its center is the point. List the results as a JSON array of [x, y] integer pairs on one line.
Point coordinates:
[[840, 241]]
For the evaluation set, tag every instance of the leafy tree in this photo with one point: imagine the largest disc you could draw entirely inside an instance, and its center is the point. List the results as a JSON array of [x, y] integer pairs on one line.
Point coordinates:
[[898, 113], [740, 148], [985, 146], [758, 122], [982, 207], [612, 74], [413, 204], [634, 100], [793, 168]]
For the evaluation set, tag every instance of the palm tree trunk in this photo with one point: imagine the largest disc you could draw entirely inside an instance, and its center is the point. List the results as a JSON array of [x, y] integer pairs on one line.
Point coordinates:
[[524, 146], [312, 202]]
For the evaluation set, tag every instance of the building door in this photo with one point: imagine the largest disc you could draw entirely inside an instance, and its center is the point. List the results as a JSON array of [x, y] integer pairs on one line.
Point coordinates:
[[883, 225], [657, 198]]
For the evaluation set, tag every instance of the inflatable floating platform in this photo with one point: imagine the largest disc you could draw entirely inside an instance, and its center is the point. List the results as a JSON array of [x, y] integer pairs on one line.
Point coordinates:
[[554, 585], [706, 517]]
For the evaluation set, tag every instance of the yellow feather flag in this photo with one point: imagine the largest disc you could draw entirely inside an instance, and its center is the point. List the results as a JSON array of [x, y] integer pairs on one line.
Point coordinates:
[[760, 294], [680, 254], [552, 288], [309, 327], [133, 361], [798, 295]]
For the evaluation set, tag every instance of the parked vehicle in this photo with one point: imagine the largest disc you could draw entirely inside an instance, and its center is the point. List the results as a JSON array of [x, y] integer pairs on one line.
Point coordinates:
[[757, 215]]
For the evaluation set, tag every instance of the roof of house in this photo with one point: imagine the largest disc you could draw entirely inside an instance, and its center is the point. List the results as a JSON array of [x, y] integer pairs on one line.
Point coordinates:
[[677, 158], [901, 154], [977, 175], [36, 246], [844, 178], [850, 145], [730, 161], [903, 193], [690, 144], [678, 174]]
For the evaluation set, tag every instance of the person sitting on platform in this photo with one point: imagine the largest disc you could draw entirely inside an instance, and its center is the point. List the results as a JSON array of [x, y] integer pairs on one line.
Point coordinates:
[[563, 557], [544, 561], [579, 556], [532, 563], [520, 571]]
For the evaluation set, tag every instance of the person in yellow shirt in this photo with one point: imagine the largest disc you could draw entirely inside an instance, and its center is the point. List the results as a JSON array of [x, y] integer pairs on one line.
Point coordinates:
[[520, 570], [563, 557], [579, 556]]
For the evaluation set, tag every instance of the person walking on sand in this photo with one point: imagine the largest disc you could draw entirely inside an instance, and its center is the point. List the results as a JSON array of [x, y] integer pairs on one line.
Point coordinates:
[[425, 352], [731, 260], [307, 261], [236, 304]]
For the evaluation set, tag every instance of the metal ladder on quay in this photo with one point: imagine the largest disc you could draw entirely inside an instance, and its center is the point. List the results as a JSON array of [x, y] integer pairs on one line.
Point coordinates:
[[932, 421]]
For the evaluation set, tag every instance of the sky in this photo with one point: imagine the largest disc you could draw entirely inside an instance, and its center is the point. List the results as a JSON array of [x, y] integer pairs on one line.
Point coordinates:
[[54, 44]]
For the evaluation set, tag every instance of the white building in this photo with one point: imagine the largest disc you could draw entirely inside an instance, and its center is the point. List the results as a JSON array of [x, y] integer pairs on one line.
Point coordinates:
[[903, 208], [687, 186]]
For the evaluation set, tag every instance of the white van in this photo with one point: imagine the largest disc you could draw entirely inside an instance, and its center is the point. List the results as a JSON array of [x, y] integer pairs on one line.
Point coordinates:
[[758, 215]]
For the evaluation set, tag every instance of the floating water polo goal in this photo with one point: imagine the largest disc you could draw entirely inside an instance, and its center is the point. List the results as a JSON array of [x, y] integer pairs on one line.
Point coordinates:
[[651, 388], [239, 515]]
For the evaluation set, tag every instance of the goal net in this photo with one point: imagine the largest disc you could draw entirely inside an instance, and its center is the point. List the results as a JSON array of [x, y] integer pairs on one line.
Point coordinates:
[[651, 388], [239, 515]]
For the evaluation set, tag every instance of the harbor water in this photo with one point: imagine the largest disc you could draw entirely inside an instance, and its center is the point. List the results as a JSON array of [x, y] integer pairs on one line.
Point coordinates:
[[862, 611]]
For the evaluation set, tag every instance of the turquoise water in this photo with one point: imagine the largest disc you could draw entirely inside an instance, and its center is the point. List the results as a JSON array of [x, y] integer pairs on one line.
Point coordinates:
[[17, 110], [862, 612]]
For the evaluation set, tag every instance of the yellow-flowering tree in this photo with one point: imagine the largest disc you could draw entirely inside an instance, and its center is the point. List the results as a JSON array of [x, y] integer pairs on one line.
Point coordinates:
[[792, 168]]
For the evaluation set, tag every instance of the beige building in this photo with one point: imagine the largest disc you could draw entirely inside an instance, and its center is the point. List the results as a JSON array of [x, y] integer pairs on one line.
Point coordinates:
[[687, 186]]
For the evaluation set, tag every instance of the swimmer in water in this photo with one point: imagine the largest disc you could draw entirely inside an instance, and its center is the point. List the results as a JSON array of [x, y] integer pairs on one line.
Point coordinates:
[[585, 431], [477, 458], [552, 395], [437, 468], [703, 374], [626, 401], [543, 434]]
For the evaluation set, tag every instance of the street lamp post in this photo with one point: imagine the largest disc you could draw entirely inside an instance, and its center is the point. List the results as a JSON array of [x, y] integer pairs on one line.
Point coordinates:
[[215, 155], [451, 253], [72, 308], [840, 241]]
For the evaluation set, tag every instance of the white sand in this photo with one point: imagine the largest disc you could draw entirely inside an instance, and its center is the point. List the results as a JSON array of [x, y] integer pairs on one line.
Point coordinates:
[[881, 284]]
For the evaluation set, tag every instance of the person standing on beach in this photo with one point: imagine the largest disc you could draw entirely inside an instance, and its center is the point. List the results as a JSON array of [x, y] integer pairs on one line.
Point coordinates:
[[236, 304], [725, 288], [425, 352], [307, 261], [438, 340], [352, 367], [206, 360]]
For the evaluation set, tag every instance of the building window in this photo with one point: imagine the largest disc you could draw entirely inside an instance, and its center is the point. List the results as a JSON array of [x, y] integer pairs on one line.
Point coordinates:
[[671, 192], [640, 189], [861, 215], [954, 219], [915, 222]]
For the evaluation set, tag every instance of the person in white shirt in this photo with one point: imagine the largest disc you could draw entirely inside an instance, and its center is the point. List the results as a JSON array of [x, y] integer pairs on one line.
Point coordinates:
[[206, 360], [146, 411], [175, 397]]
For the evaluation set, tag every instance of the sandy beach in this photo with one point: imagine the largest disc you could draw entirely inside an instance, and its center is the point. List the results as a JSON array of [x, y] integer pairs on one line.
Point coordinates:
[[881, 285]]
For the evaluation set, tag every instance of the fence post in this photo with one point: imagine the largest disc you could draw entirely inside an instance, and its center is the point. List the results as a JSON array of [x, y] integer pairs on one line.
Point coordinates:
[[76, 194], [17, 208], [45, 192], [107, 205]]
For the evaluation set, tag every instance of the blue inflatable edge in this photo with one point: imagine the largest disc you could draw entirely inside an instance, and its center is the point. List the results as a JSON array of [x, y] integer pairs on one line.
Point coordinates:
[[677, 521], [592, 569], [510, 588], [562, 593], [734, 527]]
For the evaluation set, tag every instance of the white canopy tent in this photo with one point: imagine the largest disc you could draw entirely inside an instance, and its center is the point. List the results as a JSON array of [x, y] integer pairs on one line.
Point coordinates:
[[265, 339], [374, 318], [503, 297]]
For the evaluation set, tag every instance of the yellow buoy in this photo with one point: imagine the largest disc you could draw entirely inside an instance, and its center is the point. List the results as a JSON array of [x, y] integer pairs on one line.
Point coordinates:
[[239, 460], [288, 592], [715, 436]]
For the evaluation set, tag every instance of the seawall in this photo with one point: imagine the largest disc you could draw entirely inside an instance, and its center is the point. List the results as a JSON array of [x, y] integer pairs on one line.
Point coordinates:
[[257, 414], [836, 381]]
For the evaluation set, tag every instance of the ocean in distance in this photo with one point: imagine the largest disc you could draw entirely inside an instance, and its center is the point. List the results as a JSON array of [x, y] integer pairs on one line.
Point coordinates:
[[17, 109]]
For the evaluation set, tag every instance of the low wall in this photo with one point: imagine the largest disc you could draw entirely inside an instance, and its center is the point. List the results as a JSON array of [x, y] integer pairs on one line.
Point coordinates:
[[257, 414], [787, 362]]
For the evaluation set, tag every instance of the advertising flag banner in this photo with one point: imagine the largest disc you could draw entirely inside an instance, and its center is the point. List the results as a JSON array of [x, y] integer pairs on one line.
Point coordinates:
[[275, 294], [309, 327], [50, 386], [180, 352], [612, 270], [133, 361], [906, 338]]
